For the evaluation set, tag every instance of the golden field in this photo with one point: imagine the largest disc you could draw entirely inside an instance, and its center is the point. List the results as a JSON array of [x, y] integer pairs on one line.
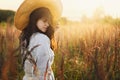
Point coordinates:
[[85, 50]]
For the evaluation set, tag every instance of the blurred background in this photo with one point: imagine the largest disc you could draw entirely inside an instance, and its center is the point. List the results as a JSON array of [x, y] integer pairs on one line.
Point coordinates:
[[87, 41]]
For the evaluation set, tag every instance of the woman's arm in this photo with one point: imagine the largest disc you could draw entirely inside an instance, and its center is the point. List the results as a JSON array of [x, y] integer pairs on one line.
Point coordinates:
[[41, 54]]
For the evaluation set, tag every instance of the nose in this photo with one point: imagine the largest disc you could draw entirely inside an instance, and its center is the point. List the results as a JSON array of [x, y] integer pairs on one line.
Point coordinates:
[[47, 24]]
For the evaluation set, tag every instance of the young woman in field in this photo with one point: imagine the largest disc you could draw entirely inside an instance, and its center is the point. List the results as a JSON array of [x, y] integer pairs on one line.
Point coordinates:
[[35, 19]]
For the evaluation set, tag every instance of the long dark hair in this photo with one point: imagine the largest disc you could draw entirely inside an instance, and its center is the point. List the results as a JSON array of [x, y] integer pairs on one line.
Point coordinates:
[[32, 28]]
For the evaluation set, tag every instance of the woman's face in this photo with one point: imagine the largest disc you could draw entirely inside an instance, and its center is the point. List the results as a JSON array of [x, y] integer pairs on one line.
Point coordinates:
[[42, 24]]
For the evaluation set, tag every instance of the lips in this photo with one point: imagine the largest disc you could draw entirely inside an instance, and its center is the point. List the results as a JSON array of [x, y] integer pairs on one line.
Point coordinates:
[[44, 28]]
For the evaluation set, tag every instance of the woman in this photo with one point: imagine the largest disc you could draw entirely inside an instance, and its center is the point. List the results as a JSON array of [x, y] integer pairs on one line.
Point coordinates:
[[35, 19]]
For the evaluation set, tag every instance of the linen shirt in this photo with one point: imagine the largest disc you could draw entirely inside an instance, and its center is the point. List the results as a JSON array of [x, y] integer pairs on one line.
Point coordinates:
[[43, 56]]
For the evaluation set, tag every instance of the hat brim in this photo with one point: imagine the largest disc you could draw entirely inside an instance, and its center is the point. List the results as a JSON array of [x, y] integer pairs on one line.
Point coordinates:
[[21, 18]]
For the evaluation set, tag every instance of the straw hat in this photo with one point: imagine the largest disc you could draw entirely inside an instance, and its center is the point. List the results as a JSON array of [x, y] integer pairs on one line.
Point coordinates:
[[21, 18]]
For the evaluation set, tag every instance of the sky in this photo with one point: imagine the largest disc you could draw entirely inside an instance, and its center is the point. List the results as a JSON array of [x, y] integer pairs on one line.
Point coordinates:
[[74, 9]]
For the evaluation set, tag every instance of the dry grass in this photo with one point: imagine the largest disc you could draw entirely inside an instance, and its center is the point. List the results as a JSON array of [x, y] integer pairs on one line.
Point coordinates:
[[9, 39], [85, 51], [90, 51]]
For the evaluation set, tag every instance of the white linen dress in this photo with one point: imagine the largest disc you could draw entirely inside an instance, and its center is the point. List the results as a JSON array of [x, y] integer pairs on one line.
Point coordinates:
[[43, 55]]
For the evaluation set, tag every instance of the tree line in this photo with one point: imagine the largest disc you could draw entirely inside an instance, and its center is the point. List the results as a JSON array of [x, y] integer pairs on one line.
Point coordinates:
[[7, 16]]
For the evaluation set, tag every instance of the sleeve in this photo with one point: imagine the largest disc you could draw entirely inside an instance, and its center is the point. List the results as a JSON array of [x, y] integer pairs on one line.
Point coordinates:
[[42, 56]]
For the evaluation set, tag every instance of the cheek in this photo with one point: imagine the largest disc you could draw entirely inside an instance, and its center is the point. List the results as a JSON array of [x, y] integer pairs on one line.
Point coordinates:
[[39, 24]]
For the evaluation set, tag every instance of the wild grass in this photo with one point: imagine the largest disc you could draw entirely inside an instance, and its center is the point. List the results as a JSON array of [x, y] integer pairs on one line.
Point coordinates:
[[88, 52], [85, 51]]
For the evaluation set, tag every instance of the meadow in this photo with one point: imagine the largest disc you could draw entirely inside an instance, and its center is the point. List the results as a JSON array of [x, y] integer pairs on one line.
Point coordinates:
[[85, 50]]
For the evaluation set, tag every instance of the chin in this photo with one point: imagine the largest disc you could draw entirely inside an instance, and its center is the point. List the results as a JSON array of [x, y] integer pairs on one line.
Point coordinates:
[[44, 31]]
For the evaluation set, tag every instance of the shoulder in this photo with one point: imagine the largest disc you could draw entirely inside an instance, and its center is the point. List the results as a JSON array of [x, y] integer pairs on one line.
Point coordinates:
[[39, 38], [39, 35]]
